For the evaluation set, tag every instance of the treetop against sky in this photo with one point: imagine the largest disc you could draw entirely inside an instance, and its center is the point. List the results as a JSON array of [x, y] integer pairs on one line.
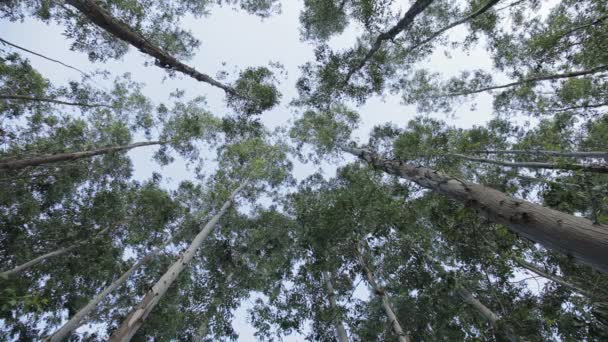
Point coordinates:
[[370, 170]]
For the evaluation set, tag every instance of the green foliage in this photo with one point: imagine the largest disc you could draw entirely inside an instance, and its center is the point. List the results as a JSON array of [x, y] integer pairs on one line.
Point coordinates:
[[256, 92]]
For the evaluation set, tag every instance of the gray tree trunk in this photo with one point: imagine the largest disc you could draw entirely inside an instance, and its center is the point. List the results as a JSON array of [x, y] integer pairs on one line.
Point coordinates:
[[138, 315], [553, 278], [15, 164], [384, 297], [66, 330], [341, 334], [20, 268], [571, 235], [102, 18]]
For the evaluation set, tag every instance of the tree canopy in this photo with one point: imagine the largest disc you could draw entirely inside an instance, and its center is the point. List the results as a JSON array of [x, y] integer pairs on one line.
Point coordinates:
[[322, 227]]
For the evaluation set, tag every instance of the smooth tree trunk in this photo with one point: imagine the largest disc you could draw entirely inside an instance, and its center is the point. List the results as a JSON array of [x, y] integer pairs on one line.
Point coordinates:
[[16, 164], [556, 279], [138, 315], [574, 154], [104, 19], [384, 297], [487, 314], [575, 236], [341, 334], [597, 168], [61, 251], [66, 330]]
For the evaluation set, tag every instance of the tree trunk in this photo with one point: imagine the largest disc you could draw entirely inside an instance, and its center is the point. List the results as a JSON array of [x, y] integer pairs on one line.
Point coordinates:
[[406, 21], [386, 304], [341, 334], [534, 80], [43, 99], [574, 236], [43, 56], [538, 165], [486, 313], [15, 164], [554, 278], [469, 17], [102, 18], [138, 315], [575, 154], [20, 268], [66, 330]]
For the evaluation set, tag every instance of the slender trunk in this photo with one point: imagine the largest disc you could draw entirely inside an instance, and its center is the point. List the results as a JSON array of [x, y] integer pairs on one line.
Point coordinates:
[[547, 181], [44, 99], [576, 154], [138, 315], [386, 304], [20, 268], [15, 164], [405, 22], [486, 313], [574, 236], [554, 278], [469, 17], [42, 56], [104, 19], [539, 165], [341, 335], [534, 80], [66, 330]]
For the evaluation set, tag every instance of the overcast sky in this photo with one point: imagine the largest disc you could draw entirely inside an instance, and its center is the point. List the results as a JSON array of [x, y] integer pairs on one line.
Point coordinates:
[[239, 40]]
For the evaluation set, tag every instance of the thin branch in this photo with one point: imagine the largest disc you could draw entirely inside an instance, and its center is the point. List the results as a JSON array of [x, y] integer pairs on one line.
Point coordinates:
[[42, 56], [41, 99]]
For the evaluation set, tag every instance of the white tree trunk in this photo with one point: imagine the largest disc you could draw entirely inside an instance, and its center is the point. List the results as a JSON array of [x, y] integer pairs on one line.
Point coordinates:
[[341, 334], [386, 304], [138, 315], [76, 320], [20, 268]]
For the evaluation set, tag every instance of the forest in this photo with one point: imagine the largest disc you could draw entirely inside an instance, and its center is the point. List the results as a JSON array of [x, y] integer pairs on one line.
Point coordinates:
[[311, 170]]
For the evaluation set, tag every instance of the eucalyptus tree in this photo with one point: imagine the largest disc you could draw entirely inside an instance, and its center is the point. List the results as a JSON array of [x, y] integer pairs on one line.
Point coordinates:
[[575, 236]]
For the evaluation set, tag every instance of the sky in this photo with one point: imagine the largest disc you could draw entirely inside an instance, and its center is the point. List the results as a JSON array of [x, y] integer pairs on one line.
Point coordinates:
[[233, 40]]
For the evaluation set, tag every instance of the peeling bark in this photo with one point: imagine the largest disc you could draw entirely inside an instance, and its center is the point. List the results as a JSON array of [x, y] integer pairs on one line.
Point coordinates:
[[139, 313], [574, 236]]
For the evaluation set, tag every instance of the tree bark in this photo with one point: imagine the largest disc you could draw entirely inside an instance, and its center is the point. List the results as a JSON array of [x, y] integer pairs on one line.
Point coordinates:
[[20, 268], [341, 334], [43, 99], [102, 18], [386, 304], [554, 278], [486, 313], [15, 164], [538, 165], [405, 22], [575, 236], [533, 80], [66, 330], [575, 154], [138, 314]]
